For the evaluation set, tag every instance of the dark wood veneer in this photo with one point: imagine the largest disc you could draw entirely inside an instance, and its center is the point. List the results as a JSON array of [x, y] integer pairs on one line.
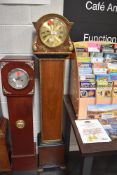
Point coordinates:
[[20, 108], [22, 139], [4, 159]]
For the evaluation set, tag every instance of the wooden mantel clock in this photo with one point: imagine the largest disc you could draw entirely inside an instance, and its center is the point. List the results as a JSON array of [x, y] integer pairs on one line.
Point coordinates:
[[18, 86], [51, 47]]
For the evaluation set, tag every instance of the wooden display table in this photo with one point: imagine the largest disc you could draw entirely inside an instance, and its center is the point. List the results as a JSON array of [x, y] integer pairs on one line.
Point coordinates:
[[4, 159], [88, 151]]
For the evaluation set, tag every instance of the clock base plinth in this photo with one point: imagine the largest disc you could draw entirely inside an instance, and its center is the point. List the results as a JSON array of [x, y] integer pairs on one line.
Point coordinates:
[[51, 155], [24, 162]]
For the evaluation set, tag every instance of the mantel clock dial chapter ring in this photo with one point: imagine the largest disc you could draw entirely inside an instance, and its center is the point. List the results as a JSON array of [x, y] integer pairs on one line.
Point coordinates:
[[53, 32]]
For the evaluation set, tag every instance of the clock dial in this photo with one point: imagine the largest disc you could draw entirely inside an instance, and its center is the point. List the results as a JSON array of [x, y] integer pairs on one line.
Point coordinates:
[[53, 32], [18, 78]]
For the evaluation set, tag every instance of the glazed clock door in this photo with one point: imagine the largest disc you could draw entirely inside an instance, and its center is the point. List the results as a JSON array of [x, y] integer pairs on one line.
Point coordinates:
[[18, 78]]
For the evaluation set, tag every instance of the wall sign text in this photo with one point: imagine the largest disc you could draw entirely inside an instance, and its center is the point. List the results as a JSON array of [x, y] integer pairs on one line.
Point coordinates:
[[101, 6]]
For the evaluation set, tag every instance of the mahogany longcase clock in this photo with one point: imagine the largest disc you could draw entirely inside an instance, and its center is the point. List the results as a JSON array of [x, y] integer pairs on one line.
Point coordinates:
[[52, 46], [18, 86]]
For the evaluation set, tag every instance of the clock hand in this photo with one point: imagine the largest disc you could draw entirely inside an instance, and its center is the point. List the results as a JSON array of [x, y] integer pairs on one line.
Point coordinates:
[[47, 38], [47, 26], [59, 40], [14, 80]]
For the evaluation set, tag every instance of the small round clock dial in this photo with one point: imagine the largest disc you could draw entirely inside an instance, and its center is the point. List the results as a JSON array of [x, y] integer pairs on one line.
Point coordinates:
[[18, 78], [53, 32]]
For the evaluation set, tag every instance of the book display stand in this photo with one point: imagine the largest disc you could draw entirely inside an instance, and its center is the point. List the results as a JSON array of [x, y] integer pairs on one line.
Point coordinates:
[[93, 78]]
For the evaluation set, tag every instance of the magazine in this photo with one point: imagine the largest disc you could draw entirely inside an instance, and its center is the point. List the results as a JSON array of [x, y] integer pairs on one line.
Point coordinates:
[[91, 131]]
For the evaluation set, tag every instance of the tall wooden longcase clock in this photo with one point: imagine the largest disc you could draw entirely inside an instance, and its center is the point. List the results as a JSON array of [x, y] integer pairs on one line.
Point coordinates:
[[52, 47], [18, 86]]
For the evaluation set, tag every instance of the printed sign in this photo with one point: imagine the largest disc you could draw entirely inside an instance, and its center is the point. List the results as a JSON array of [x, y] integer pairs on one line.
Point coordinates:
[[93, 20]]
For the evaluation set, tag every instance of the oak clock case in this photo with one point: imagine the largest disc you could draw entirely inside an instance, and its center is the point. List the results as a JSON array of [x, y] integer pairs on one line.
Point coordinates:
[[18, 86], [52, 47]]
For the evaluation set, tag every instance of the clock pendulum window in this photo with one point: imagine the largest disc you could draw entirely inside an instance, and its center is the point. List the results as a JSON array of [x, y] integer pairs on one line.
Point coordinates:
[[18, 85], [51, 47]]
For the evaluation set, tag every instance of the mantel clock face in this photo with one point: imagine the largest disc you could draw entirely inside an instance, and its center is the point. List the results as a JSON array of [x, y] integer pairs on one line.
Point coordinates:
[[52, 34], [18, 78]]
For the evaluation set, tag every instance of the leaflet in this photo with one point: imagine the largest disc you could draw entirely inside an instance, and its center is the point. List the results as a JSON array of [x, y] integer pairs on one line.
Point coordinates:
[[91, 131]]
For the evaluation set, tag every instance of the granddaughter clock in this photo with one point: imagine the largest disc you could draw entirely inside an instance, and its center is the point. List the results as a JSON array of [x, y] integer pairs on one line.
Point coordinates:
[[18, 86], [52, 47]]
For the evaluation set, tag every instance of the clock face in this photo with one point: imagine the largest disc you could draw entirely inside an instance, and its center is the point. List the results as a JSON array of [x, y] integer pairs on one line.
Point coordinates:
[[53, 32], [18, 78]]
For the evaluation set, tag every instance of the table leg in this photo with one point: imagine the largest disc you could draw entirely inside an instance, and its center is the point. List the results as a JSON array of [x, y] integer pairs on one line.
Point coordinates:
[[67, 131], [87, 165]]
